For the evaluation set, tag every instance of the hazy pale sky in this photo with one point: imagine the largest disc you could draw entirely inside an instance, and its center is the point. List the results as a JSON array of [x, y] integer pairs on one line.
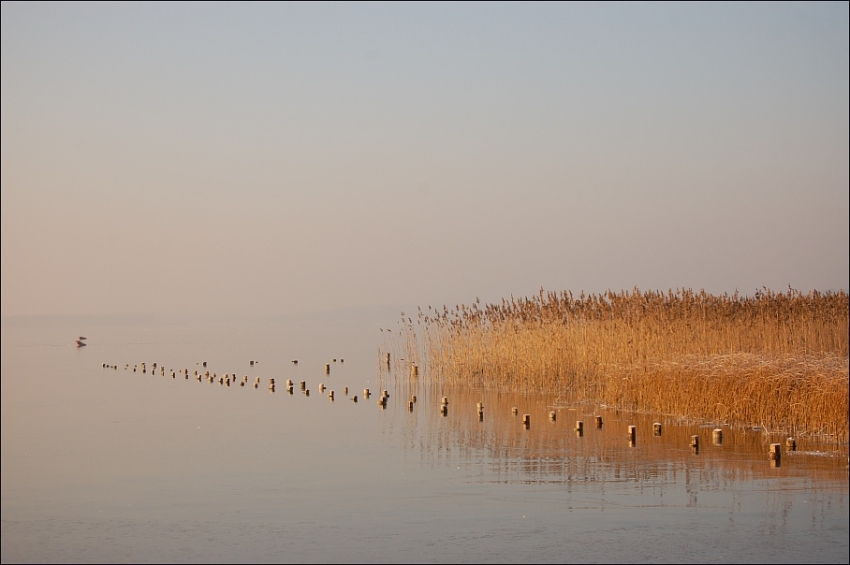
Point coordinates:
[[262, 158]]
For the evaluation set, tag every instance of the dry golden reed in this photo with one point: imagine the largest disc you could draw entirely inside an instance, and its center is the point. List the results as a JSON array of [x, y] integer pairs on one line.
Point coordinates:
[[775, 360]]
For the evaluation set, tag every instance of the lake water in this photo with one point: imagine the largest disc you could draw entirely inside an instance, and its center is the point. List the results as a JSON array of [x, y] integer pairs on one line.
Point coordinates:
[[112, 465]]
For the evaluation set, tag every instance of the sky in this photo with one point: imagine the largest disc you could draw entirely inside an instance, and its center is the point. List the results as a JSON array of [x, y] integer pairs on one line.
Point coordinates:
[[277, 158]]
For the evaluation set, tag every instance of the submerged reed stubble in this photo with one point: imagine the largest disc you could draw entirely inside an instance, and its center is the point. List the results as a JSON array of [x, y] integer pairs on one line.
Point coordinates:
[[775, 360]]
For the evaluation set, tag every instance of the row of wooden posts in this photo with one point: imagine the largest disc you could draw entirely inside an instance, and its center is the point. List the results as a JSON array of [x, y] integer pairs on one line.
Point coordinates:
[[774, 452]]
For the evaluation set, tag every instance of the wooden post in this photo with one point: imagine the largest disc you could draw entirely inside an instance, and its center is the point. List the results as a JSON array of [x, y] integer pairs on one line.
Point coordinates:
[[695, 443], [327, 368], [791, 444], [598, 421], [526, 421], [656, 429], [717, 436], [632, 433], [579, 428], [775, 452]]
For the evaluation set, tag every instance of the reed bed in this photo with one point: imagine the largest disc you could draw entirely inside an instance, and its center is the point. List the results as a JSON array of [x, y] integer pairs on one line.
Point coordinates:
[[773, 360]]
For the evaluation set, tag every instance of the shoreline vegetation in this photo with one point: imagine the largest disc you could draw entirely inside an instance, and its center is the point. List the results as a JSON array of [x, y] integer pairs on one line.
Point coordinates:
[[778, 361]]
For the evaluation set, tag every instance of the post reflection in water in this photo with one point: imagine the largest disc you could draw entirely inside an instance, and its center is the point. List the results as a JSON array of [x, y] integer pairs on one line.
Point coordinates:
[[552, 450]]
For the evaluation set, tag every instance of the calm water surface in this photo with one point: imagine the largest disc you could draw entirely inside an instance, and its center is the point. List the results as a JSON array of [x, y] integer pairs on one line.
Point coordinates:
[[116, 465]]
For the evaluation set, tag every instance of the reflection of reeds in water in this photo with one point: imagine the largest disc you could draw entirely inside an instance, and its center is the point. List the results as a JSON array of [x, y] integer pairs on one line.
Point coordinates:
[[552, 451], [776, 360]]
